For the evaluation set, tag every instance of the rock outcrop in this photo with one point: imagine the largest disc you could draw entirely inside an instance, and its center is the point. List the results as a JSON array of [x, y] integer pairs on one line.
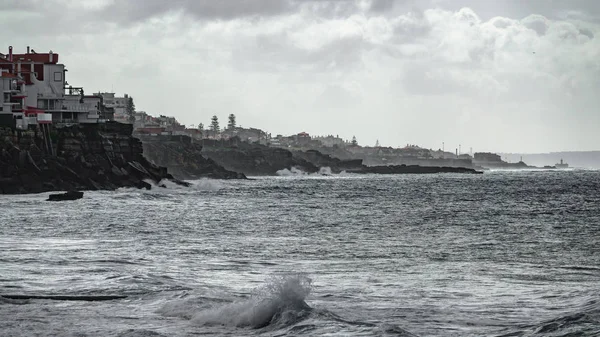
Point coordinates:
[[257, 160], [254, 159], [70, 195], [183, 158], [323, 160], [87, 157], [413, 169]]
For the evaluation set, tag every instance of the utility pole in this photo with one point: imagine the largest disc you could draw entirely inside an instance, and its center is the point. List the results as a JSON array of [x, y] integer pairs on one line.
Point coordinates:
[[443, 150]]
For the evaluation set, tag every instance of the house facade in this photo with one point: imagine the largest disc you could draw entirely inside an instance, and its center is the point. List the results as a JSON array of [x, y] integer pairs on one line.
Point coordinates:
[[35, 91]]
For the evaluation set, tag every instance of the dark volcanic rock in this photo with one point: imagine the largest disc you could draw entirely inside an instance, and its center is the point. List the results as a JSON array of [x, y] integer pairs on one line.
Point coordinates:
[[184, 158], [254, 159], [88, 157], [414, 169], [323, 160], [71, 195]]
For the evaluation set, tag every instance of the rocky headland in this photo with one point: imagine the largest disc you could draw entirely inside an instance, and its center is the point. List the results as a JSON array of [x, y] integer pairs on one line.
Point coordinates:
[[82, 157], [260, 160], [253, 159], [182, 156]]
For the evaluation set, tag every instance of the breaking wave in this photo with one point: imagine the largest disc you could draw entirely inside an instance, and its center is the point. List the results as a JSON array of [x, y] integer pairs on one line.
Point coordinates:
[[280, 302], [294, 171], [280, 305], [198, 185], [291, 172], [207, 185]]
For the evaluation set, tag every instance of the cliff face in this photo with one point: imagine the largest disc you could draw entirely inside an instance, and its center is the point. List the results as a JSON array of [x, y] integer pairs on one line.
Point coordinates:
[[88, 157], [183, 158], [322, 160], [254, 159]]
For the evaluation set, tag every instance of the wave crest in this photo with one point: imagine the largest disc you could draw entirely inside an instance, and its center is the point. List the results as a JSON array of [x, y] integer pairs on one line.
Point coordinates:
[[280, 302], [294, 171]]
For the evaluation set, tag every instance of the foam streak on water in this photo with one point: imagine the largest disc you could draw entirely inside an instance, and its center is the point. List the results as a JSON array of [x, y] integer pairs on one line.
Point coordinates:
[[499, 254]]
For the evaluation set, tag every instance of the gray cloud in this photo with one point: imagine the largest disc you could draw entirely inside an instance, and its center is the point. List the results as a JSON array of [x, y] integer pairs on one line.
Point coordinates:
[[139, 10], [406, 71]]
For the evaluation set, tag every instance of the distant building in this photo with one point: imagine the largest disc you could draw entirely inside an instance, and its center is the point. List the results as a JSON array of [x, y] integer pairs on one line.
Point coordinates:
[[303, 139], [118, 104], [414, 151], [330, 141]]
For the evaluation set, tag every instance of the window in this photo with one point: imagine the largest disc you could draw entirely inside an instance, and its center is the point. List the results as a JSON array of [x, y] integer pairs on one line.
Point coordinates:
[[57, 76]]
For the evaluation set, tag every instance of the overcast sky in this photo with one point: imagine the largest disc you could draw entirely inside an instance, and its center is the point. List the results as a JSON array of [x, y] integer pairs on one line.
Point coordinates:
[[506, 76]]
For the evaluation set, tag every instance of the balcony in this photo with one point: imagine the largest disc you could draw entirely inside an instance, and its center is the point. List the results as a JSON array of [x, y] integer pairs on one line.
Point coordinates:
[[70, 107]]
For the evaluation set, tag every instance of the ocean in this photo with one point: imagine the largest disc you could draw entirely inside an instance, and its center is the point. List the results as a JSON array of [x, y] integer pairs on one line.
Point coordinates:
[[499, 254]]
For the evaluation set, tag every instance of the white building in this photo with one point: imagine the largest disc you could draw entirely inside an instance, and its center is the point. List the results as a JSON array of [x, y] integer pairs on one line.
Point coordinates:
[[40, 91], [330, 141], [13, 110], [119, 104]]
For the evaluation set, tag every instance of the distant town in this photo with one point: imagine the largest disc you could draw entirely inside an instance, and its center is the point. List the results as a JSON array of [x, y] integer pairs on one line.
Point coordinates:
[[37, 95]]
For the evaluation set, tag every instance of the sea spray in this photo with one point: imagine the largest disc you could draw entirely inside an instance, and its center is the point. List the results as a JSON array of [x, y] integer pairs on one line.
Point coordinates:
[[207, 185], [290, 172], [280, 301], [323, 171]]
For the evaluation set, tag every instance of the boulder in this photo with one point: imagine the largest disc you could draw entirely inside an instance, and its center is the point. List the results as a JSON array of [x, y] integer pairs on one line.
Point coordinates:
[[71, 195]]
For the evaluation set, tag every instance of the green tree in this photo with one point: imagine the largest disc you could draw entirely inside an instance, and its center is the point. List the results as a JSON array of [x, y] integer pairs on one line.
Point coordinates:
[[130, 110], [214, 124], [354, 142], [231, 123]]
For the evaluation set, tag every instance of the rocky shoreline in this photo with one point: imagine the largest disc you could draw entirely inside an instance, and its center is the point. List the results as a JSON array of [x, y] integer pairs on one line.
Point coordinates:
[[107, 157], [86, 157], [183, 158], [261, 160]]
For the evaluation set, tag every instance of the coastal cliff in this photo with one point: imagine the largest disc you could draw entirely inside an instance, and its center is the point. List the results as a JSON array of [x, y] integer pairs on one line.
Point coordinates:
[[183, 158], [86, 157], [254, 159], [335, 164], [258, 160]]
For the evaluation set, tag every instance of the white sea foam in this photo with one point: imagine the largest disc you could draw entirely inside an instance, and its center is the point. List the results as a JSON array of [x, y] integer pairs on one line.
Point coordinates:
[[207, 185], [291, 172], [280, 301], [294, 171], [197, 185], [325, 171]]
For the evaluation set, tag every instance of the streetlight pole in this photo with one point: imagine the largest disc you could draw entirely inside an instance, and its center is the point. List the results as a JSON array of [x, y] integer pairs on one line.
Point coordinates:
[[443, 150]]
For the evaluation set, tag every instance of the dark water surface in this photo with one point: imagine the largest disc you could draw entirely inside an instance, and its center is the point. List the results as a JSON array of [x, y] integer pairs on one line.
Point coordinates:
[[499, 254]]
